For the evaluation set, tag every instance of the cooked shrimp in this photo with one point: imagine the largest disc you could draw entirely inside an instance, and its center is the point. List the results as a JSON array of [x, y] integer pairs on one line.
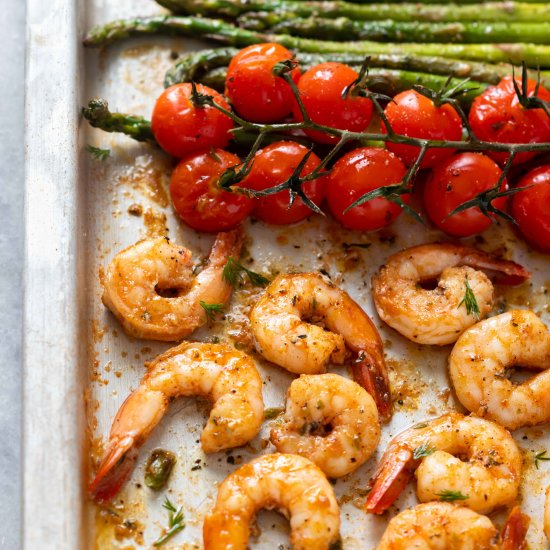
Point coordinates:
[[289, 483], [442, 525], [284, 337], [330, 420], [487, 477], [484, 354], [547, 513], [139, 278], [219, 372], [438, 316]]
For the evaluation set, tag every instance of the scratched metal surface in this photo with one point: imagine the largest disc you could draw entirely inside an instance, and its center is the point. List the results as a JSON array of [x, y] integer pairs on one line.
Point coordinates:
[[111, 363]]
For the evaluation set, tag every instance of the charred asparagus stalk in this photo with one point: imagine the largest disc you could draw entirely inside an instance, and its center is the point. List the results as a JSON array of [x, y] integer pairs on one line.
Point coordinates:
[[344, 28], [495, 11], [208, 66], [217, 30]]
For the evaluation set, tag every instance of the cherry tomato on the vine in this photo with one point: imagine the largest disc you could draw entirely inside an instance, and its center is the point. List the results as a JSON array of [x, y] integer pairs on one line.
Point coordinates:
[[531, 207], [255, 92], [321, 89], [274, 164], [455, 181], [182, 128], [414, 115], [497, 115], [356, 173], [198, 199]]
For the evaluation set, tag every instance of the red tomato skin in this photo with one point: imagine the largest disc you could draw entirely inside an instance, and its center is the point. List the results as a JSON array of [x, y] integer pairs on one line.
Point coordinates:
[[357, 173], [455, 181], [497, 115], [199, 201], [274, 164], [321, 89], [255, 92], [414, 115], [531, 208], [180, 128]]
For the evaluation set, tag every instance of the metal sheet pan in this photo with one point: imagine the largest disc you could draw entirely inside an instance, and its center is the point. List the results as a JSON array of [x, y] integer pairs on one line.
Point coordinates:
[[76, 354]]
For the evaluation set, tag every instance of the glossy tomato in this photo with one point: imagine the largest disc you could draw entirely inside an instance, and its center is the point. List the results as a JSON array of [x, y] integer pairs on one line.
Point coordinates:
[[414, 115], [274, 164], [455, 181], [321, 90], [357, 173], [497, 115], [197, 198], [255, 92], [182, 128], [531, 208]]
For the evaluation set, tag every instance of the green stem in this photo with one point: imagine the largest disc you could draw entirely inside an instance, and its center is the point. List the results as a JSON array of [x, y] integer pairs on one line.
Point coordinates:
[[209, 67], [344, 28], [517, 12], [229, 34]]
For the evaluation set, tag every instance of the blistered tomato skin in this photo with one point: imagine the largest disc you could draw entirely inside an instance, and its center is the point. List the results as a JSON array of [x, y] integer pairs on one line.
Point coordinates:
[[497, 115], [414, 115], [455, 181], [356, 173], [273, 165], [321, 89], [531, 208], [197, 197], [181, 128], [254, 91]]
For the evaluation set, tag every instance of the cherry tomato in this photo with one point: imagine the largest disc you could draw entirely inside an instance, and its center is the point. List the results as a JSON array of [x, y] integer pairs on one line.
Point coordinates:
[[199, 201], [414, 115], [321, 91], [531, 208], [357, 173], [455, 181], [181, 128], [274, 164], [255, 92], [497, 115]]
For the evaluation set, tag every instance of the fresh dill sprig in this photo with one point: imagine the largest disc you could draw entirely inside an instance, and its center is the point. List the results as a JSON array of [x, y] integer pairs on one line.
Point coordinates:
[[470, 301], [176, 522], [211, 310], [233, 273], [424, 450], [540, 456], [97, 152], [448, 495]]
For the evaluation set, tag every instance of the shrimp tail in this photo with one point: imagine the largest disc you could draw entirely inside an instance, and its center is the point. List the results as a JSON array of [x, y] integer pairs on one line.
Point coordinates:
[[504, 272], [514, 530], [391, 478], [226, 245], [371, 374], [114, 470]]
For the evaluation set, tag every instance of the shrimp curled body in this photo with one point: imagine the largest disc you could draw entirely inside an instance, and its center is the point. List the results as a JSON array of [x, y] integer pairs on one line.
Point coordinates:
[[289, 483], [315, 402], [437, 316], [226, 376], [283, 335], [481, 357], [487, 477], [151, 289]]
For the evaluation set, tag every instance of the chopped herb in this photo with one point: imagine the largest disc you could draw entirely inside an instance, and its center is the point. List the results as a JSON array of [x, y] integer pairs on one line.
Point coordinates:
[[176, 522], [211, 310], [420, 425], [313, 304], [272, 412], [233, 273], [540, 456], [357, 442], [469, 301], [450, 496], [423, 451], [97, 153]]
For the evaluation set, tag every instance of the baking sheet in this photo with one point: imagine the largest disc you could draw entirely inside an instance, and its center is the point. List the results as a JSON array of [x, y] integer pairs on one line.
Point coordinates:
[[77, 354]]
